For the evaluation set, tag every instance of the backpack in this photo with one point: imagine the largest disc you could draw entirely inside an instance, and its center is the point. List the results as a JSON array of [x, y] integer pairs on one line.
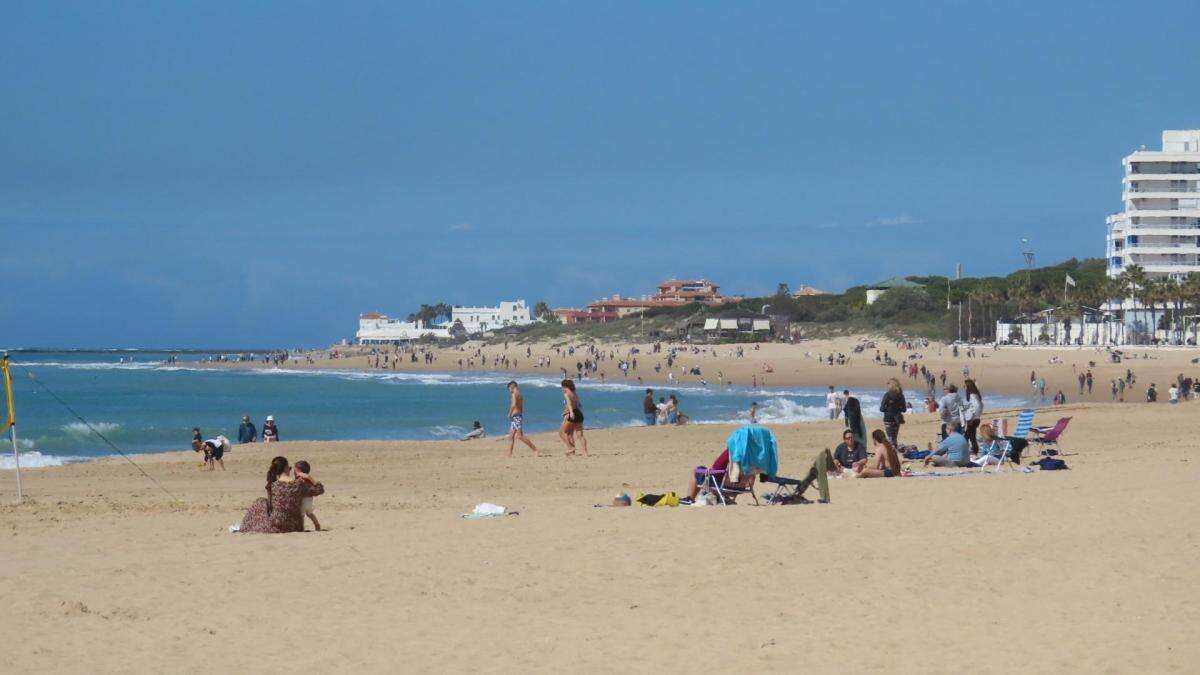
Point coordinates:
[[1051, 464]]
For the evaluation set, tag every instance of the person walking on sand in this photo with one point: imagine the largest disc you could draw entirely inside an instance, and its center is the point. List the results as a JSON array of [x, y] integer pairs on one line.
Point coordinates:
[[572, 420], [516, 419], [833, 403]]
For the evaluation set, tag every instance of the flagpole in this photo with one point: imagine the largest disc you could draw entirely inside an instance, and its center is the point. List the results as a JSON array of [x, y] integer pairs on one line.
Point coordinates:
[[11, 418], [12, 433]]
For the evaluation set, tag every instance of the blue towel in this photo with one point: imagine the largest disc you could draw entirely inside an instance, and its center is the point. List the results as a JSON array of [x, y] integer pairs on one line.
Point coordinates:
[[916, 454], [753, 448]]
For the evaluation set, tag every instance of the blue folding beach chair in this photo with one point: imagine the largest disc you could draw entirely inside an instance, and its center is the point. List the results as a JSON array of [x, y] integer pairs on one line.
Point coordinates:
[[1024, 424], [1017, 441]]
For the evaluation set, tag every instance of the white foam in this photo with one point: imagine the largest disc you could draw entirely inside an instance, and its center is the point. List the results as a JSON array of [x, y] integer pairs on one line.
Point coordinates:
[[96, 365], [787, 411], [447, 430], [35, 460], [82, 429]]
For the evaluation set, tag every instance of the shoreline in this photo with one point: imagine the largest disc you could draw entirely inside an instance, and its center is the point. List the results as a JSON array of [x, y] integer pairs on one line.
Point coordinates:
[[772, 365]]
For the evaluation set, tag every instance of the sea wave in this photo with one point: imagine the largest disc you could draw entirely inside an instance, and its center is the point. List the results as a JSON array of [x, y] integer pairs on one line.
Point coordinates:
[[82, 429], [447, 431], [96, 365], [787, 411], [34, 459]]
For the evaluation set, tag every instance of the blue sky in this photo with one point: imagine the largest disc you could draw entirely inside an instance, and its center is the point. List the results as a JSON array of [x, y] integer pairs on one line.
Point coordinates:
[[201, 174]]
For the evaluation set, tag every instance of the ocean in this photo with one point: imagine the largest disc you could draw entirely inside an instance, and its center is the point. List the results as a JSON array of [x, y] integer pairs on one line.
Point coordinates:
[[145, 405]]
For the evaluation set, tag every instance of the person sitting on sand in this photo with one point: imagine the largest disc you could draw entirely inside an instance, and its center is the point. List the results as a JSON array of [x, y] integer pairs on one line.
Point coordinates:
[[886, 463], [282, 509], [303, 471], [475, 432], [953, 450], [849, 455]]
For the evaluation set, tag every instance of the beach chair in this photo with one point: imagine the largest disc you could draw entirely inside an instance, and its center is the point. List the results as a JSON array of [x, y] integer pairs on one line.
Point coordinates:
[[716, 481], [1024, 423], [791, 490], [1049, 436], [1011, 454], [1018, 440]]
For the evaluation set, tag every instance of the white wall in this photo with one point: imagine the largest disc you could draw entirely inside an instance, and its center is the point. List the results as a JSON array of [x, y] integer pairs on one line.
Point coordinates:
[[483, 319]]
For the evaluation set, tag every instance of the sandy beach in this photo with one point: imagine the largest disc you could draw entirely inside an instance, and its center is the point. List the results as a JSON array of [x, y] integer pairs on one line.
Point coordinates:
[[1087, 570], [1005, 371]]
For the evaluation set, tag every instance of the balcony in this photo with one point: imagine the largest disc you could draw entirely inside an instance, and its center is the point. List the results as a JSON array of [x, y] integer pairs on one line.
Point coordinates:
[[1160, 193], [1168, 268], [1164, 213], [1162, 230], [1142, 177], [1165, 248]]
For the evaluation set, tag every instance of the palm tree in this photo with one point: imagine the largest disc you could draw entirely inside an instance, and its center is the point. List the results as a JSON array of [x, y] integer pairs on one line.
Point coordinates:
[[1190, 291], [992, 296], [1170, 293], [1134, 280], [1114, 288], [1022, 297]]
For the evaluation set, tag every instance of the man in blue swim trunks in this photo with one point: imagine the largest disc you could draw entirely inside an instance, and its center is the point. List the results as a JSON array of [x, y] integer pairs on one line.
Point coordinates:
[[516, 419]]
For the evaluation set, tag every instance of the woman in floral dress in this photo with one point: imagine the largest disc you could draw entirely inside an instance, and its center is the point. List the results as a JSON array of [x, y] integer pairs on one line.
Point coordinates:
[[280, 510]]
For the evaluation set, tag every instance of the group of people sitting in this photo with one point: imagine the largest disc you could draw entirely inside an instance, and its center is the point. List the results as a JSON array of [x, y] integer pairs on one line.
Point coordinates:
[[955, 449], [852, 459]]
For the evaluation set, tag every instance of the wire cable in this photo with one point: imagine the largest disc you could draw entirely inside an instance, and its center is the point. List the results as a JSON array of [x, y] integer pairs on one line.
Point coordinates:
[[93, 429]]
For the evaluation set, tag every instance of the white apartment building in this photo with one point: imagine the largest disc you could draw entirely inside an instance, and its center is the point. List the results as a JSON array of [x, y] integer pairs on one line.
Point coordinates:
[[375, 328], [483, 319], [1159, 229]]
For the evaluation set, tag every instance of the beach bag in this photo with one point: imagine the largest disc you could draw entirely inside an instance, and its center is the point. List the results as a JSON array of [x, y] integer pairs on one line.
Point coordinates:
[[1051, 464], [667, 499]]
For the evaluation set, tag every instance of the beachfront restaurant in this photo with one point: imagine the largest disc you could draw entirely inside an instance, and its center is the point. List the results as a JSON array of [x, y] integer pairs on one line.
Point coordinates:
[[740, 327]]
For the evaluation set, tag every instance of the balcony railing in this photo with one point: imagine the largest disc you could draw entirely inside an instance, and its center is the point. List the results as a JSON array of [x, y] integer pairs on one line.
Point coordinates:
[[1164, 189]]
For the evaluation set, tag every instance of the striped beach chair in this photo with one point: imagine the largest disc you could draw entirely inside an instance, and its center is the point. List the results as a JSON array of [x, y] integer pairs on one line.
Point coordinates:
[[1017, 441]]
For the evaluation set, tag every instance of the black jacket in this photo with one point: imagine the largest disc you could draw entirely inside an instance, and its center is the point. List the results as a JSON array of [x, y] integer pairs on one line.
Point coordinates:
[[893, 406]]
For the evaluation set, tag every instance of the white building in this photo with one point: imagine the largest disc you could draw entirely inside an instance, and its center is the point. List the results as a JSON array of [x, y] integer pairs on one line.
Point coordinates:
[[483, 319], [1159, 229], [375, 328]]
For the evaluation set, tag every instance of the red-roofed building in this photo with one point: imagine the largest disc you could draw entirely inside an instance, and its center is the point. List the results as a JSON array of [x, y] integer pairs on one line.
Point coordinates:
[[571, 316], [683, 291]]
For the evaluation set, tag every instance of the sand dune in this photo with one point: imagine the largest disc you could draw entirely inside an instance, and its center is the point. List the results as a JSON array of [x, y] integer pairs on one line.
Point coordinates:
[[1086, 570]]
